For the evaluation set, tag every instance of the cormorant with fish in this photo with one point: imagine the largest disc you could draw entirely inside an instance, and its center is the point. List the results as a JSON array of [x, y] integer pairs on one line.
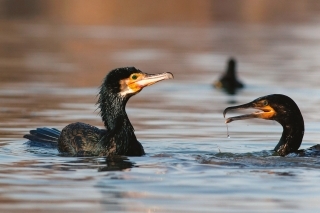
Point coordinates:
[[118, 138], [285, 111]]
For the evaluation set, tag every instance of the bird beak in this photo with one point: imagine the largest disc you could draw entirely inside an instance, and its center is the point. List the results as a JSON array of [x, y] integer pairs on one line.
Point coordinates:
[[266, 112], [149, 79]]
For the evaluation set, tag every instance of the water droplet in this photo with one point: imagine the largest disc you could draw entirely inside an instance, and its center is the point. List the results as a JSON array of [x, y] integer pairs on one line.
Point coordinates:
[[228, 136]]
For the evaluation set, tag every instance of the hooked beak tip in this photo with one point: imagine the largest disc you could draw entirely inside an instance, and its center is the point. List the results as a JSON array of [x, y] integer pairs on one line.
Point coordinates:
[[225, 112], [228, 120], [169, 75]]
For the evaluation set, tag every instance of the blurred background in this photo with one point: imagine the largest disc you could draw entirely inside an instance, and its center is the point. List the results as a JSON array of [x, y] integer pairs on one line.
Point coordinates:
[[77, 42]]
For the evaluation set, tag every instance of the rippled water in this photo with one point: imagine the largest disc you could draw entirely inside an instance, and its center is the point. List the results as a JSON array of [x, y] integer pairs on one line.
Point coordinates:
[[52, 78]]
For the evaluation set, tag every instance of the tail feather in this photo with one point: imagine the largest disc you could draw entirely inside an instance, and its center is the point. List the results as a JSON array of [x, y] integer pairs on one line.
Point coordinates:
[[46, 133], [54, 130], [43, 137]]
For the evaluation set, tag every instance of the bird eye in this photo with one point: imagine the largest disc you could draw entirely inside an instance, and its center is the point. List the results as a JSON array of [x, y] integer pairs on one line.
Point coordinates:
[[265, 103], [134, 77]]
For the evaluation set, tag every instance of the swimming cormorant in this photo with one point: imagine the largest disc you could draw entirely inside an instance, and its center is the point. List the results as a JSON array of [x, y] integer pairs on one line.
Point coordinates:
[[285, 111], [229, 81], [118, 138]]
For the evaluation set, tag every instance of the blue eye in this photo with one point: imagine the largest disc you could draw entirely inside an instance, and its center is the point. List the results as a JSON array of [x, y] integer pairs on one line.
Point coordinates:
[[134, 77]]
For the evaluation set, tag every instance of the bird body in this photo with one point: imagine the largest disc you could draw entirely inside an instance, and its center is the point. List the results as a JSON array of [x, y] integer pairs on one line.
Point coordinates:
[[118, 138], [228, 80]]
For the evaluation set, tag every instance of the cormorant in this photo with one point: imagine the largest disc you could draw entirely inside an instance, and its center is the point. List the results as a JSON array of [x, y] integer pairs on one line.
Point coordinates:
[[118, 138], [285, 111], [229, 81]]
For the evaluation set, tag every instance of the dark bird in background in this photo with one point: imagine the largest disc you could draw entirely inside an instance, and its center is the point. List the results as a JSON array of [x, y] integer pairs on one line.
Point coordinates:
[[285, 111], [229, 82], [118, 138]]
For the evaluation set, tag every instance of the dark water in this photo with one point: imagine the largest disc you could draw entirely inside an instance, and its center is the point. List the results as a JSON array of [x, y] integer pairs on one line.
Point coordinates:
[[53, 63]]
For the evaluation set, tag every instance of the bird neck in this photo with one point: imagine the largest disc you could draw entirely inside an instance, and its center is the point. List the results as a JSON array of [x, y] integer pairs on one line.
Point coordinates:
[[231, 73], [291, 139], [120, 131]]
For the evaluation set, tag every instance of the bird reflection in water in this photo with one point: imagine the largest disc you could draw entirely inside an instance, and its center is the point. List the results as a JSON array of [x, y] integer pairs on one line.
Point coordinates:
[[114, 163]]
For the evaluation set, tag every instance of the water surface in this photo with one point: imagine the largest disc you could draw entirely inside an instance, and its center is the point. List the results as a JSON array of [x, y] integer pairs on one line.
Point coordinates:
[[50, 74]]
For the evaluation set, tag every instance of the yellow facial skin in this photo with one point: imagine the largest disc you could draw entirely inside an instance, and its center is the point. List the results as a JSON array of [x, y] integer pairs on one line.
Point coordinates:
[[137, 81], [266, 113], [129, 84]]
